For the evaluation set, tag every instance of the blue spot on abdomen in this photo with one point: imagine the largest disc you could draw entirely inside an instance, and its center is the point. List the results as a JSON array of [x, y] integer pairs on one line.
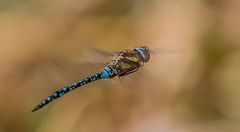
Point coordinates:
[[105, 74]]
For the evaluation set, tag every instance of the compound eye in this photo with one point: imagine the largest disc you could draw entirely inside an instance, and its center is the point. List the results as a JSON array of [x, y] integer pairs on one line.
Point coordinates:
[[144, 48]]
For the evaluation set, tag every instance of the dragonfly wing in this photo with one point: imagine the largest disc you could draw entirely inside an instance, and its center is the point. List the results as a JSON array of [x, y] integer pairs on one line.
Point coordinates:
[[129, 72], [134, 79], [97, 56]]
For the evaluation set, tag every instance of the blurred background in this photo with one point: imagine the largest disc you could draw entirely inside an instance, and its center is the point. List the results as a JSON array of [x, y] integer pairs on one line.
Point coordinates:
[[192, 86]]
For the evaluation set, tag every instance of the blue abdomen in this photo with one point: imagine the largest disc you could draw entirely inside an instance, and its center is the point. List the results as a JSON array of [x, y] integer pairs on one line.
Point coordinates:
[[108, 72]]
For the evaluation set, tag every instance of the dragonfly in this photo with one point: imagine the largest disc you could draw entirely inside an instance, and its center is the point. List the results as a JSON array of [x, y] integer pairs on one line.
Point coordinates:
[[123, 63]]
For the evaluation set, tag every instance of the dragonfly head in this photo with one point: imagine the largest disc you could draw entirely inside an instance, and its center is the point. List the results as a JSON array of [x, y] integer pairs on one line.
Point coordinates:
[[143, 52]]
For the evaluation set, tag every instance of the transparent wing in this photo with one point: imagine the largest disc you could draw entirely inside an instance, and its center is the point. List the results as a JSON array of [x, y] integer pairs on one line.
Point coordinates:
[[57, 72], [97, 56], [162, 51]]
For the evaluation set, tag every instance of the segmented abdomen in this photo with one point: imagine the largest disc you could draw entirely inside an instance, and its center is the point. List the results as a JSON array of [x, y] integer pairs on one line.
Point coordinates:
[[108, 72]]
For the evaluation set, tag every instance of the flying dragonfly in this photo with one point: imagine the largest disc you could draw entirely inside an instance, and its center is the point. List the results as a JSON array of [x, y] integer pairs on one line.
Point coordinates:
[[123, 63]]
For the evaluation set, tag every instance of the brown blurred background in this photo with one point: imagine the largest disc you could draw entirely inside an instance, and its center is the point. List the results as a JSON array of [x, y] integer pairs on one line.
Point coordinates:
[[192, 87]]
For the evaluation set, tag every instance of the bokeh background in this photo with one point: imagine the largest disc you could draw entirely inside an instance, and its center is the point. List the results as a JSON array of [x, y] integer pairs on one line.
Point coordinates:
[[191, 83]]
